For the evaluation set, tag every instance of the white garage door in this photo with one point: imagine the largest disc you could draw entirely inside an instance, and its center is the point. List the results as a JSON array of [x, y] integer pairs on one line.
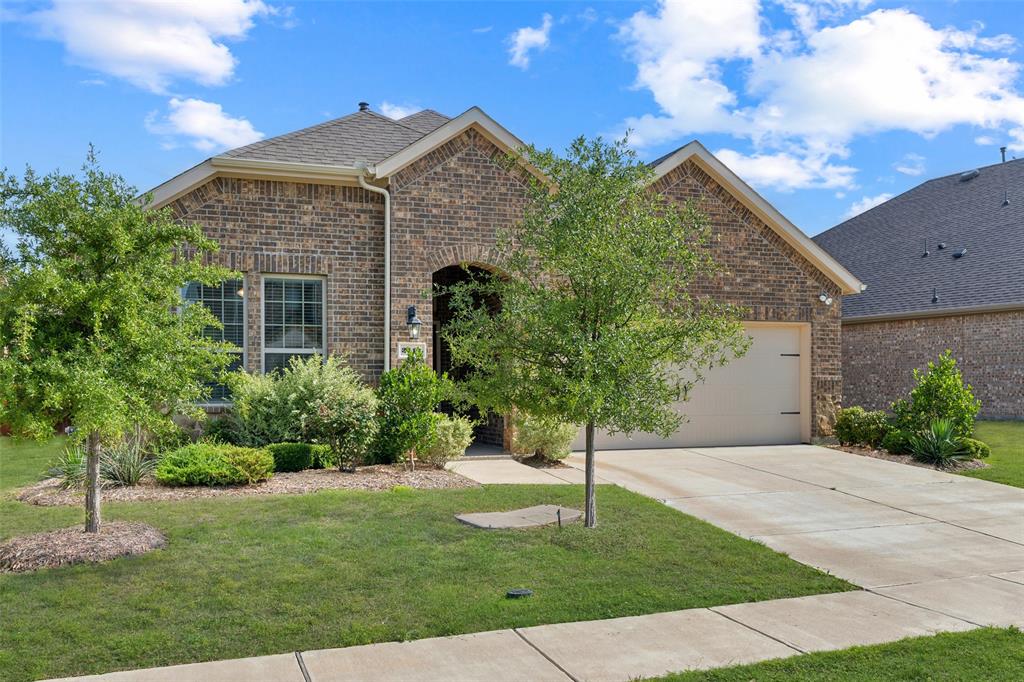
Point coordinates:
[[754, 400]]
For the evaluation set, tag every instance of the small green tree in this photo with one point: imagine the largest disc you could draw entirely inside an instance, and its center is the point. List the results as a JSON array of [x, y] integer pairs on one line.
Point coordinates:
[[406, 400], [597, 325], [939, 393], [92, 328]]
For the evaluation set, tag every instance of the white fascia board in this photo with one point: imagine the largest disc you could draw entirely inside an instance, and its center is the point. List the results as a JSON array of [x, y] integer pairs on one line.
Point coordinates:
[[475, 116], [789, 232]]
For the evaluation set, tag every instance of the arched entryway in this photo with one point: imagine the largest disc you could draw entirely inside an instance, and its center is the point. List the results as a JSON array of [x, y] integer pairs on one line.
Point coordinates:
[[489, 436]]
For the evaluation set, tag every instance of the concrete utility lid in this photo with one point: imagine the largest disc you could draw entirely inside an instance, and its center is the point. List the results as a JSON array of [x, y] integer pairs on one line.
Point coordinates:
[[541, 515]]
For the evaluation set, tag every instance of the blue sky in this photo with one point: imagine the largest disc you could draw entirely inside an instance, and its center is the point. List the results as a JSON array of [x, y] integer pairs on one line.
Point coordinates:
[[826, 108]]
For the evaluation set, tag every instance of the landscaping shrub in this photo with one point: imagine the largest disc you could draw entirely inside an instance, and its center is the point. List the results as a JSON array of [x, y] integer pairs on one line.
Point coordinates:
[[976, 448], [940, 393], [857, 426], [406, 401], [544, 437], [127, 462], [322, 456], [252, 464], [291, 456], [451, 437], [214, 464], [267, 407], [897, 442], [344, 418], [939, 444], [69, 467]]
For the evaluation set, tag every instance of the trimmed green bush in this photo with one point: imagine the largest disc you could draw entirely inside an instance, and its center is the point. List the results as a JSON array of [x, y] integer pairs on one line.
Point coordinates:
[[291, 456], [939, 444], [976, 448], [544, 437], [214, 464], [897, 442], [940, 393], [451, 437], [857, 426], [407, 399], [322, 456]]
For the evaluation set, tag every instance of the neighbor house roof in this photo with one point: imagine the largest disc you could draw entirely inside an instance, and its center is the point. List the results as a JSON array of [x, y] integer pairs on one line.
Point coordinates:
[[981, 211]]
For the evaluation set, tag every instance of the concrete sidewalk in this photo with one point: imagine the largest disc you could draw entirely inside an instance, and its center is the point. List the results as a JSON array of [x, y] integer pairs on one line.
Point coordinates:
[[935, 553]]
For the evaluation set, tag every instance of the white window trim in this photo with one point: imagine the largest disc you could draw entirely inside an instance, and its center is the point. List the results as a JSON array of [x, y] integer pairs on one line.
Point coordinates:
[[322, 351], [245, 338]]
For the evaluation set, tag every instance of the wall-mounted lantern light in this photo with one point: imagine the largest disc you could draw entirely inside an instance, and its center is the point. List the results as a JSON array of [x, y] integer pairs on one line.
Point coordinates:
[[825, 298], [412, 322]]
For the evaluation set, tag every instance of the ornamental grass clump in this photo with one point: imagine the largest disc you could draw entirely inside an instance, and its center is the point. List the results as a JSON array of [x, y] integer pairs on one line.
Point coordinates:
[[939, 445]]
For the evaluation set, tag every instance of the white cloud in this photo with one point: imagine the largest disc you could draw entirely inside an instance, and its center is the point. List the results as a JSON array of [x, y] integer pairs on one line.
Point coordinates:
[[985, 140], [786, 171], [205, 125], [151, 44], [528, 39], [865, 203], [397, 111], [483, 29], [800, 97], [911, 164]]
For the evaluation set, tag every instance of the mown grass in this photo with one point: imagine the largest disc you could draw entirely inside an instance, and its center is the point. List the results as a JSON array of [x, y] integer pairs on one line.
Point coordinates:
[[984, 655], [259, 575], [1006, 465]]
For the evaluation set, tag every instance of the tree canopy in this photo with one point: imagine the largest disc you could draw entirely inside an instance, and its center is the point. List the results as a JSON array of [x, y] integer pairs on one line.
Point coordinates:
[[597, 323]]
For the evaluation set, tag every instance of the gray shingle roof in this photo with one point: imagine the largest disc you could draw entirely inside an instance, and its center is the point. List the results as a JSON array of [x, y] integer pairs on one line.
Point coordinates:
[[426, 121], [884, 246], [362, 137]]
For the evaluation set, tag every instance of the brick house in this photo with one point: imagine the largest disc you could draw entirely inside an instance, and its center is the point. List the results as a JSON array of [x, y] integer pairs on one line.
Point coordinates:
[[945, 270], [341, 227]]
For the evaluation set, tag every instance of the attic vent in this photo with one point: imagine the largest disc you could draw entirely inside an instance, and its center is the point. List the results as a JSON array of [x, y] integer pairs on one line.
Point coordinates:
[[969, 175], [942, 245], [960, 254], [935, 295]]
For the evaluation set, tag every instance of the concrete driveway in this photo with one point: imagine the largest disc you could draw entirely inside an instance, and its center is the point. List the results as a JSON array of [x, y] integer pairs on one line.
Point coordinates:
[[943, 542]]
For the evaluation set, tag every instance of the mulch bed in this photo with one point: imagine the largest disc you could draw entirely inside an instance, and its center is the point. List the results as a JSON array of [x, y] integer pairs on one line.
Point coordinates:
[[75, 546], [47, 493], [538, 462], [907, 459]]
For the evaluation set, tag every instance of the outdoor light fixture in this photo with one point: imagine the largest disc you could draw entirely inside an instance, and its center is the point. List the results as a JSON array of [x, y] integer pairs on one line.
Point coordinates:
[[825, 298], [412, 322]]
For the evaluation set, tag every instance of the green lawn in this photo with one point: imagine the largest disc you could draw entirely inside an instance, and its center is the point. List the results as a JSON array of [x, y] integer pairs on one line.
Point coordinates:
[[260, 575], [985, 655], [1006, 465]]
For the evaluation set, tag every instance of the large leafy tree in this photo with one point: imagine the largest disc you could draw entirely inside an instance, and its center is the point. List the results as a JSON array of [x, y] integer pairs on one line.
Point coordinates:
[[93, 332], [597, 324]]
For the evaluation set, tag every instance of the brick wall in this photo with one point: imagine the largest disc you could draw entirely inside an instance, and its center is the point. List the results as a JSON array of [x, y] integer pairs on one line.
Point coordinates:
[[270, 227], [772, 280], [879, 357]]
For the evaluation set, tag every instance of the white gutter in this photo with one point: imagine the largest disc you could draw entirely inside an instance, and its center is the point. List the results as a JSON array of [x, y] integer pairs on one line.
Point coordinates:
[[387, 265]]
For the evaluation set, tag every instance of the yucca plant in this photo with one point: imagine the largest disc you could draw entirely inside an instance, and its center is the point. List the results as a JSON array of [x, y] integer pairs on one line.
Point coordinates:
[[126, 462], [69, 467], [939, 445]]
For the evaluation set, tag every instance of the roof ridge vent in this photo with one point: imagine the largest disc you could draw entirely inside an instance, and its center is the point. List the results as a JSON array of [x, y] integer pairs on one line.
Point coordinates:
[[969, 175]]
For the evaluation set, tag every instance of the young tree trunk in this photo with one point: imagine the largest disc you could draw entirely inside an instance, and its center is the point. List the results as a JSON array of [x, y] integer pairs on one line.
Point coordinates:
[[92, 483], [590, 511]]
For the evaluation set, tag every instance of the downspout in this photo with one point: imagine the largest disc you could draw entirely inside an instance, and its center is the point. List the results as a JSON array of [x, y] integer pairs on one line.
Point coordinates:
[[387, 265]]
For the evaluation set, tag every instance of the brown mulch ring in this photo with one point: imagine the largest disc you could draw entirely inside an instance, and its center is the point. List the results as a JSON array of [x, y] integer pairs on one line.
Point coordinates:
[[907, 459], [75, 546], [47, 493]]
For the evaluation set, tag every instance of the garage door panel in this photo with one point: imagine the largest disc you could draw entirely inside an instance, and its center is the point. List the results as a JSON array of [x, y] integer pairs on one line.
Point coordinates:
[[753, 400]]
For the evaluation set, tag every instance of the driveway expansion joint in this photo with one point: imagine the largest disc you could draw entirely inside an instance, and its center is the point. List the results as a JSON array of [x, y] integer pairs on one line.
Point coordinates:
[[302, 666], [544, 654]]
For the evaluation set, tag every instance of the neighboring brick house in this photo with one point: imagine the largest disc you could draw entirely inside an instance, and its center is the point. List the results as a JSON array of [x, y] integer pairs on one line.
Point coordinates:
[[305, 217], [926, 294]]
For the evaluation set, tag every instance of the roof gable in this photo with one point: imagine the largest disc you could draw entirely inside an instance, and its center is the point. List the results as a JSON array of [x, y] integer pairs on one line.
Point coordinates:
[[426, 121], [885, 246], [753, 201]]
